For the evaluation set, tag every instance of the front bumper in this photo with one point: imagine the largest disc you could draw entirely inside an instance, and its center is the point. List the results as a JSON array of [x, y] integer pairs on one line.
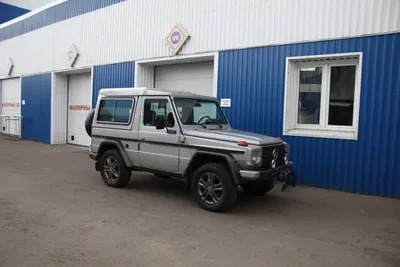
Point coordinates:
[[278, 173]]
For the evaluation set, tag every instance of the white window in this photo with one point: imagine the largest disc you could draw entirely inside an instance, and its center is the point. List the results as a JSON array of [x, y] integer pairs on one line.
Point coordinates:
[[322, 96]]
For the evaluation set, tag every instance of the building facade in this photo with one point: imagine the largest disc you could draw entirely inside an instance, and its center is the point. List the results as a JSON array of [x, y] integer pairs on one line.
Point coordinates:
[[323, 75]]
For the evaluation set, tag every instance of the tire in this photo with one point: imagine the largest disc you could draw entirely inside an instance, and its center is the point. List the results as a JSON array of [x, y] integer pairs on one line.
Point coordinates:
[[219, 195], [89, 122], [258, 188], [120, 175]]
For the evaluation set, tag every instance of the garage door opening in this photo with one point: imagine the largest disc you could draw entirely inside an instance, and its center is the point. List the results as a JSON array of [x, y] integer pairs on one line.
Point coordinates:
[[195, 74], [71, 103], [10, 95]]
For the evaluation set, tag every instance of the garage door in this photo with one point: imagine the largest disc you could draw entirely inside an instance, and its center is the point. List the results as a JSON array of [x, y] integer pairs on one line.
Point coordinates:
[[194, 78], [79, 105], [11, 104]]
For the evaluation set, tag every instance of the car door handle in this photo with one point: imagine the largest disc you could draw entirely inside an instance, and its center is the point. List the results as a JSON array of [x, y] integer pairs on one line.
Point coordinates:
[[143, 140], [171, 131]]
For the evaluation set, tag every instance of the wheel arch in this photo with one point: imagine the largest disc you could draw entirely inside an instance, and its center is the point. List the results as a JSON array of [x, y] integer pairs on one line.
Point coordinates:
[[113, 144], [203, 157]]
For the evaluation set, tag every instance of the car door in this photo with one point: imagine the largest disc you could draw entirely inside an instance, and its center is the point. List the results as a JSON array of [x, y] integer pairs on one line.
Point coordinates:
[[159, 149]]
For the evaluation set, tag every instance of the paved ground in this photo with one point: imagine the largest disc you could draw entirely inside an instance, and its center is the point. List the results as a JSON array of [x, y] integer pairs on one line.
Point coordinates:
[[56, 211]]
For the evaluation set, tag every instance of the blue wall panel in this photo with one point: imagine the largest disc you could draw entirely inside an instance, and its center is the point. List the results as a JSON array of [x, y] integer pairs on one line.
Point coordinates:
[[36, 113], [119, 75], [64, 11], [255, 78], [9, 12]]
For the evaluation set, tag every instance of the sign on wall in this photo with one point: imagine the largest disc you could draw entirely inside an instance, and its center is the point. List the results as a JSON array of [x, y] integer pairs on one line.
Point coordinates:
[[176, 38], [72, 55], [225, 102]]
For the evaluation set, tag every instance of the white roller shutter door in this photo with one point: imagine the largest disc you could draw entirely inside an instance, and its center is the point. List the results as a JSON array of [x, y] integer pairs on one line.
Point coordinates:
[[11, 105], [194, 78], [79, 105]]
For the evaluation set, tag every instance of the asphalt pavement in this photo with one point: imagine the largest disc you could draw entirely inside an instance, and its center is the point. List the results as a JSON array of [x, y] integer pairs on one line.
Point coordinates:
[[56, 211]]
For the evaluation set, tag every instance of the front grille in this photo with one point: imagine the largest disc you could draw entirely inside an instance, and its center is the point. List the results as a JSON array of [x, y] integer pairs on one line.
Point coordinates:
[[267, 155]]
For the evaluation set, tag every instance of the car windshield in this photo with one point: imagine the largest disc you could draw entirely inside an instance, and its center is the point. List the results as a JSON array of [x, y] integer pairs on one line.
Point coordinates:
[[199, 111]]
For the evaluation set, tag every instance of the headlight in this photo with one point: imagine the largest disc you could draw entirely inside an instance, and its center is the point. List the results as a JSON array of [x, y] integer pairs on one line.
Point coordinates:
[[256, 157], [286, 159]]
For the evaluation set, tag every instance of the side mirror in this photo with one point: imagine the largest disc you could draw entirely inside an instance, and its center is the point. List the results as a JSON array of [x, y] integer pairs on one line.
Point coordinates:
[[160, 122]]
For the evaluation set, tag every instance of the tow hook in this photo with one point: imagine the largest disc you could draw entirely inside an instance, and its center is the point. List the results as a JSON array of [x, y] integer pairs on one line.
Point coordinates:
[[287, 177]]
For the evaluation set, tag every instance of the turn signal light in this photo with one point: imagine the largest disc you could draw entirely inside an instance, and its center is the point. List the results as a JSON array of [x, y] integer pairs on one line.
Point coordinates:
[[243, 143]]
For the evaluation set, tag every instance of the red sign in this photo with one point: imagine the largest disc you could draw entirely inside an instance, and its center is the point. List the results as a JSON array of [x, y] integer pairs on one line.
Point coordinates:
[[11, 105], [79, 107]]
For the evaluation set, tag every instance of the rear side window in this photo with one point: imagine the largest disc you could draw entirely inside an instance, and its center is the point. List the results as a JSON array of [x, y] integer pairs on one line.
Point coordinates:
[[115, 110]]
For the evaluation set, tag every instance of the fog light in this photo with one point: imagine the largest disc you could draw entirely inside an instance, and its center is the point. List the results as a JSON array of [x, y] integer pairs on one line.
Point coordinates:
[[273, 164], [286, 159]]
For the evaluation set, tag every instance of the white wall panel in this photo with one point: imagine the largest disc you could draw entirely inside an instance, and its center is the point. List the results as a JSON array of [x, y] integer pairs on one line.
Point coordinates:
[[135, 29]]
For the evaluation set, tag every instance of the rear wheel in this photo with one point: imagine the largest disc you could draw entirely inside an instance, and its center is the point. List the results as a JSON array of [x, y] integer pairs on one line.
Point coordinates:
[[213, 188], [258, 188], [113, 169]]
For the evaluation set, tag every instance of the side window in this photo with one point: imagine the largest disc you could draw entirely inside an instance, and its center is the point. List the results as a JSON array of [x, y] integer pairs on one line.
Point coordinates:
[[115, 110], [156, 107]]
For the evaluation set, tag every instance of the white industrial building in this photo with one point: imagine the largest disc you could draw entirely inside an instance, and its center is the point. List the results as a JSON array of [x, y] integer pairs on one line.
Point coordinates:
[[57, 57]]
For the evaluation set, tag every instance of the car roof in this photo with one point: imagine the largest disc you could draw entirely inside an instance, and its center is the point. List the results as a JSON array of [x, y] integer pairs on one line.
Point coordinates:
[[143, 91]]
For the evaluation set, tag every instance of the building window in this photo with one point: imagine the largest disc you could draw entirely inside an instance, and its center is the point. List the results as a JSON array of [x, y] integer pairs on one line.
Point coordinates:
[[156, 107], [115, 111], [322, 96]]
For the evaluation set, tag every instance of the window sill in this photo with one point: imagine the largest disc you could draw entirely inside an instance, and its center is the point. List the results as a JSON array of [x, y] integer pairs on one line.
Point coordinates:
[[347, 135]]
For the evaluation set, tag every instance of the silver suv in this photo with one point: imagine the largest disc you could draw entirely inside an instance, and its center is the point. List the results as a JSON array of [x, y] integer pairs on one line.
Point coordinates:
[[184, 136]]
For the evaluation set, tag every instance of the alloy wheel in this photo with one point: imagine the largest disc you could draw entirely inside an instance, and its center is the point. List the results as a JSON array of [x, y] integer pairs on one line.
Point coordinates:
[[210, 188], [111, 168]]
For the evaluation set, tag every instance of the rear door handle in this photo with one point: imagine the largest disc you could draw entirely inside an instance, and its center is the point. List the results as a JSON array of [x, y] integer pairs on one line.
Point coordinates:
[[143, 140]]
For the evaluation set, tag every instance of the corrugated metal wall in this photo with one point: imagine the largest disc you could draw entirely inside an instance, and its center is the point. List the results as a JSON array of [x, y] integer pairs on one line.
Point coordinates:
[[112, 76], [66, 10], [254, 80], [134, 30], [9, 12], [36, 112]]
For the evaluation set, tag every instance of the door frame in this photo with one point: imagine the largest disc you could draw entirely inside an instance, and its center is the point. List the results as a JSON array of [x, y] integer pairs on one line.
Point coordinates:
[[59, 103]]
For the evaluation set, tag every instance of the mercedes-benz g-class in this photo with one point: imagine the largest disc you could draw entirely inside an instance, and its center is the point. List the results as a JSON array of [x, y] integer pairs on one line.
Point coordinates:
[[186, 136]]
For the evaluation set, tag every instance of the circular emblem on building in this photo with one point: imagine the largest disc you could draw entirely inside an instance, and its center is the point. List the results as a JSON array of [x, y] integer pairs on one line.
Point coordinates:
[[274, 154], [175, 38]]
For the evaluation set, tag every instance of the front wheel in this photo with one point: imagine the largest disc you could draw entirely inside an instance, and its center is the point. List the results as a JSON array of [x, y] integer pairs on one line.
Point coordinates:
[[258, 188], [113, 169], [213, 188]]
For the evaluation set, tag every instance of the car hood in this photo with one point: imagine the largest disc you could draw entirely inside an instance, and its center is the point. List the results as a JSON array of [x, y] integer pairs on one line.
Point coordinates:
[[232, 135]]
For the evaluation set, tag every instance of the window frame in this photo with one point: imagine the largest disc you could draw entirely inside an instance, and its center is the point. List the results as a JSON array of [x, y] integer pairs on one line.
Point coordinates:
[[116, 99], [161, 97], [291, 127], [200, 99]]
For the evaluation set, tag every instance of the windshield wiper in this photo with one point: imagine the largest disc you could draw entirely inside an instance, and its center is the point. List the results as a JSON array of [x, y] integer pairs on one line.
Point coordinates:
[[202, 124]]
